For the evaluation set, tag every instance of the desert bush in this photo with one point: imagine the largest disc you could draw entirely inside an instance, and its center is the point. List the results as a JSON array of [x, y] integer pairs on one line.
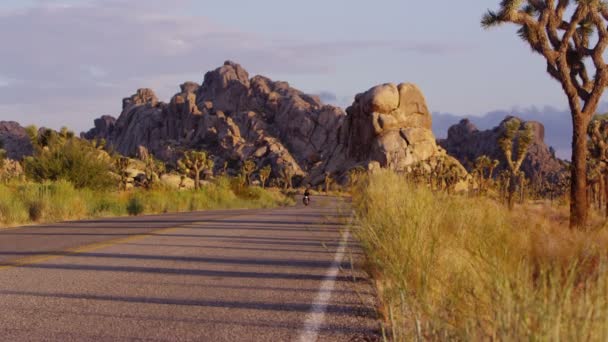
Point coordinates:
[[11, 211], [75, 161], [135, 206], [461, 268]]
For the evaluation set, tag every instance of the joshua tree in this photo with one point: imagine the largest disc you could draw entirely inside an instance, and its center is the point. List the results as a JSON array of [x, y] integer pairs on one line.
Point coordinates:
[[355, 175], [493, 167], [120, 166], [154, 170], [570, 54], [265, 174], [193, 163], [286, 175], [483, 164], [328, 180], [248, 169], [2, 159], [523, 138]]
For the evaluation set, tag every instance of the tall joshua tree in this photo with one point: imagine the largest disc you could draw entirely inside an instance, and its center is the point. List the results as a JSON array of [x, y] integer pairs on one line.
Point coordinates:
[[193, 163], [562, 31], [522, 139]]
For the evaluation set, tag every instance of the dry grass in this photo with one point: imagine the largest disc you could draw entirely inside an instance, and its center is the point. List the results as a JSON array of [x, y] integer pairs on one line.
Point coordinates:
[[459, 268], [26, 202]]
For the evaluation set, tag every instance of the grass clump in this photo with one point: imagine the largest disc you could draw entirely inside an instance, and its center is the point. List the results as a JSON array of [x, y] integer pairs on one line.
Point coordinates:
[[459, 268], [135, 206]]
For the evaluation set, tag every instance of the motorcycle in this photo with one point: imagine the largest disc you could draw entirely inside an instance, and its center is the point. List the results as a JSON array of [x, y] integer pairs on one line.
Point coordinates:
[[306, 200]]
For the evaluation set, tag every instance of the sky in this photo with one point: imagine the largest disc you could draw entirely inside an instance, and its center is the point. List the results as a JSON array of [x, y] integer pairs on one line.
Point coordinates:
[[64, 63]]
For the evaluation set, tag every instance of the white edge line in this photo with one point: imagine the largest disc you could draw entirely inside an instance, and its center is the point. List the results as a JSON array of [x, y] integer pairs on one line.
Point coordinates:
[[316, 315]]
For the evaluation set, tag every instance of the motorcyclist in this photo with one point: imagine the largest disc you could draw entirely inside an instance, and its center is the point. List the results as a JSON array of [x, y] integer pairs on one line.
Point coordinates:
[[306, 198]]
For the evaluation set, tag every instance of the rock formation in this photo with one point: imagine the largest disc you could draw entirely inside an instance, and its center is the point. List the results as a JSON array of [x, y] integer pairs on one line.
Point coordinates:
[[15, 139], [237, 118], [232, 116], [465, 142], [388, 126]]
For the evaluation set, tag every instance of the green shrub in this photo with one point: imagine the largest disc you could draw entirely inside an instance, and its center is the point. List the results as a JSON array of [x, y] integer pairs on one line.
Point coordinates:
[[75, 161], [135, 206], [36, 210]]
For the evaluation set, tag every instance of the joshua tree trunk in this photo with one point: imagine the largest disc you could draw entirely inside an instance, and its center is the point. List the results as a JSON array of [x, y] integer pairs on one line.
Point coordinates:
[[606, 191], [511, 188], [522, 182], [578, 189], [197, 178]]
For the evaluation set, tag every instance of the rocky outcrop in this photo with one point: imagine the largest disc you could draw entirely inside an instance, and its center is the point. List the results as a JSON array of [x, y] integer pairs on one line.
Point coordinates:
[[232, 116], [236, 118], [15, 139], [465, 142], [103, 128], [388, 126]]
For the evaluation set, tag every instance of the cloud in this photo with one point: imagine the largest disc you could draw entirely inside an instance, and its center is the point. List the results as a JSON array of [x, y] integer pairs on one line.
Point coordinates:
[[328, 97], [77, 60]]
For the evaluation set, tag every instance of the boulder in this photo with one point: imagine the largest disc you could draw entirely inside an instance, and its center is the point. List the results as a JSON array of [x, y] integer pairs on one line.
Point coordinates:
[[103, 128], [142, 96], [388, 126], [15, 139]]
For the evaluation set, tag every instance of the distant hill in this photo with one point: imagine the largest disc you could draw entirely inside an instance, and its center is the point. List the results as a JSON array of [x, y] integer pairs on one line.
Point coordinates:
[[557, 123], [466, 142]]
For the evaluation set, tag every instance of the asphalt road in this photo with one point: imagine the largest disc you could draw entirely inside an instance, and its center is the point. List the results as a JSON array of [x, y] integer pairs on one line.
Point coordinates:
[[288, 274]]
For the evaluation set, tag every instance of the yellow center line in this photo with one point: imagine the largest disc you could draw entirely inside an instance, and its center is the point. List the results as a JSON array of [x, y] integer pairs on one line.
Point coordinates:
[[82, 249], [99, 245]]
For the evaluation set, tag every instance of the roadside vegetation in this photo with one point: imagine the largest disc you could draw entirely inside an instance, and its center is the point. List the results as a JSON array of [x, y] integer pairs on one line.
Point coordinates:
[[68, 178], [466, 268], [30, 202]]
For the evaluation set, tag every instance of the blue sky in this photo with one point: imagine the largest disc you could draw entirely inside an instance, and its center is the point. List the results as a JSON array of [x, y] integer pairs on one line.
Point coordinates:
[[67, 62]]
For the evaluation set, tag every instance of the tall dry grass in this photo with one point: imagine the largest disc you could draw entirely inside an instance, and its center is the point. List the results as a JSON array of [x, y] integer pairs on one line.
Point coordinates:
[[28, 202], [460, 268]]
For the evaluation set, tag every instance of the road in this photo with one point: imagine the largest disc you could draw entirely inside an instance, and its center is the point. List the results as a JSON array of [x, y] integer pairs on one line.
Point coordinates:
[[287, 274]]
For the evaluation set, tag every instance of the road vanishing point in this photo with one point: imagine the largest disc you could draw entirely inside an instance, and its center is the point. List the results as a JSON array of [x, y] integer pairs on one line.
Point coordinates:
[[286, 274]]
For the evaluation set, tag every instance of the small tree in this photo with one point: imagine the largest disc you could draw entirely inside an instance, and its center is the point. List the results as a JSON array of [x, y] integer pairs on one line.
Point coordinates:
[[522, 139], [248, 169], [2, 159], [483, 164], [355, 176], [570, 54], [193, 163], [493, 167], [328, 180], [153, 171], [286, 176], [121, 164], [265, 174]]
